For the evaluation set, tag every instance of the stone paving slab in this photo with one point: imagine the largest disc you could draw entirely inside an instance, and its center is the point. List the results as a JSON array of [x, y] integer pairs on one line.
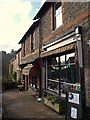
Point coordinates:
[[23, 104]]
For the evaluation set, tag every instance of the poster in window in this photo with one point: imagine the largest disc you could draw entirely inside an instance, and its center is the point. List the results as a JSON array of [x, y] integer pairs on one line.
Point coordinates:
[[73, 112]]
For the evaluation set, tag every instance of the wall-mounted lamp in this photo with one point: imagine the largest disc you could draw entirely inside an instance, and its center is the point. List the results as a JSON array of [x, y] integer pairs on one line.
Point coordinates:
[[78, 31], [43, 48], [88, 43]]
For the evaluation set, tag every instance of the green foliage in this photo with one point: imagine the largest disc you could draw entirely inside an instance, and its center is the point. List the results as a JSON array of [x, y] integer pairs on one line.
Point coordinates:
[[14, 75], [62, 107], [10, 71], [52, 99]]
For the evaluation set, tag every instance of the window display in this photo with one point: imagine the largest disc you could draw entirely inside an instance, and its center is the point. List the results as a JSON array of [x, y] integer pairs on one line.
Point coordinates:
[[53, 74], [63, 73]]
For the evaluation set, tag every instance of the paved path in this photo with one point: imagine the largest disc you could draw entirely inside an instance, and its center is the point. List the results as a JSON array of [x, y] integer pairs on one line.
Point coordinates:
[[24, 105]]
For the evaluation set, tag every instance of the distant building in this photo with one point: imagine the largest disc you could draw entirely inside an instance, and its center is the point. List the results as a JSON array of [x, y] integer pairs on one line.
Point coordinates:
[[4, 65], [14, 69]]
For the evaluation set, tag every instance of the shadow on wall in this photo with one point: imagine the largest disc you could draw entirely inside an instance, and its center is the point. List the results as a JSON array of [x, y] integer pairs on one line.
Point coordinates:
[[9, 85]]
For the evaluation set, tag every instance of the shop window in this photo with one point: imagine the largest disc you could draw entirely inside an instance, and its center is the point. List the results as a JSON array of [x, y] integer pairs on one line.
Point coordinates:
[[53, 74], [23, 77], [57, 15], [69, 73], [63, 70]]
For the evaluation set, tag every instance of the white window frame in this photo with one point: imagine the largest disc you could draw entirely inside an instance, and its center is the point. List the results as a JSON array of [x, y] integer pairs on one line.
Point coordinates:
[[57, 15]]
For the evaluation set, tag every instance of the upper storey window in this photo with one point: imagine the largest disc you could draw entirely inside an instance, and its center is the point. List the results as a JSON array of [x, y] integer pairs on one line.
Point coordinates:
[[32, 41], [24, 48], [57, 15]]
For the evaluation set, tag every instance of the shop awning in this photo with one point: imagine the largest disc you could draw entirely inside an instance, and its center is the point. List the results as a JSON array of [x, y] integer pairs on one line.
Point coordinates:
[[26, 70], [26, 62], [59, 50]]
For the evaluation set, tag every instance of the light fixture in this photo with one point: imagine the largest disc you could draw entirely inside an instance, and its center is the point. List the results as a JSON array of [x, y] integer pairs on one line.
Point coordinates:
[[78, 30], [88, 43]]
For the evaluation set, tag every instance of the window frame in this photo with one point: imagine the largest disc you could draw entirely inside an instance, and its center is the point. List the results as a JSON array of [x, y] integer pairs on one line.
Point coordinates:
[[32, 42], [58, 15], [24, 48], [59, 81]]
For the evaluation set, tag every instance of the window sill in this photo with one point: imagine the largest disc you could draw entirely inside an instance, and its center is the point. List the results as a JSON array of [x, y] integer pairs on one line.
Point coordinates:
[[56, 29]]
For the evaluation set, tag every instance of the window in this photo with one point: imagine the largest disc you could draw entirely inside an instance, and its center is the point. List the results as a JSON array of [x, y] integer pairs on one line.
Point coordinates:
[[57, 15], [32, 41], [24, 49], [62, 69], [53, 74]]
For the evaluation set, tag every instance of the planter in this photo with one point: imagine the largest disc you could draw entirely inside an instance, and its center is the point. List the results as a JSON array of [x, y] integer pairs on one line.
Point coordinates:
[[48, 103], [56, 107]]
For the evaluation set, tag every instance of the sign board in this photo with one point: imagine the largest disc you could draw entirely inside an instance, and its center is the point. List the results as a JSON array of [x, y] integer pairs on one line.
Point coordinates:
[[74, 104], [73, 112], [73, 98]]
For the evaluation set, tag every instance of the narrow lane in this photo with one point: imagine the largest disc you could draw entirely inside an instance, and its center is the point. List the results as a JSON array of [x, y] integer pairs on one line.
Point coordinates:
[[24, 105]]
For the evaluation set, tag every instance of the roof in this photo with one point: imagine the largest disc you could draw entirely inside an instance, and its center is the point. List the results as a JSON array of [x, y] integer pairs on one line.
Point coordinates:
[[18, 50], [30, 30], [26, 69], [13, 59], [42, 9]]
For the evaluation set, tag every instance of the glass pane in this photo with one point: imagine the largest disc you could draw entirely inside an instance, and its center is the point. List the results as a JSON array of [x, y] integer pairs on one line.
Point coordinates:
[[58, 20], [62, 60], [58, 11], [57, 5], [53, 86], [70, 58], [63, 76], [53, 72], [53, 61], [49, 61], [69, 73]]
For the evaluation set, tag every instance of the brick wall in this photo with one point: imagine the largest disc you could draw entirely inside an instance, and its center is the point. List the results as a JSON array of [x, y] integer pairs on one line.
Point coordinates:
[[27, 45], [37, 38], [29, 54], [73, 9], [59, 32], [45, 24], [74, 14]]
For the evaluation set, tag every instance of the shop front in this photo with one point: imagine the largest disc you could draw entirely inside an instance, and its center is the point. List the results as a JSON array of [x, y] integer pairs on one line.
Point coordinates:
[[26, 76], [62, 71], [34, 78]]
